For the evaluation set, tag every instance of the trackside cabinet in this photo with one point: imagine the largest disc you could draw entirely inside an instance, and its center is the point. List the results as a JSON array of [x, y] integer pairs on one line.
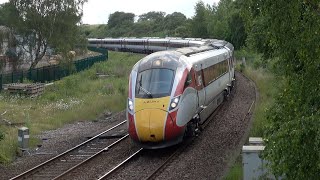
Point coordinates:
[[23, 138]]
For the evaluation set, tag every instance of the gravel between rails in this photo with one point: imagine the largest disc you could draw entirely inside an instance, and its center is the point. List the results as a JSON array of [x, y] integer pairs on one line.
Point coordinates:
[[208, 157], [105, 162]]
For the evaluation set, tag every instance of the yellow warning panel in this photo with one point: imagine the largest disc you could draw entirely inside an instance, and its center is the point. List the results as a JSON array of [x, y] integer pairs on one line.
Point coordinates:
[[150, 124], [155, 103]]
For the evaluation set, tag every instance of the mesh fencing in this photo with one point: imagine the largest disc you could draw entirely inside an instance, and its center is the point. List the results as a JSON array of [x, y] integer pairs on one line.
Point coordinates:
[[55, 72]]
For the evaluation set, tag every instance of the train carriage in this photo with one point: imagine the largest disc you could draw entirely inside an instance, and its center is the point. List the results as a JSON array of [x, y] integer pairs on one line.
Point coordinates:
[[172, 92], [135, 45]]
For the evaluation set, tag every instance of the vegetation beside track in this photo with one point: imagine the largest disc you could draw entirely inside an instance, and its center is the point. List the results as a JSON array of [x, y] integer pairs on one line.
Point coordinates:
[[79, 97], [262, 75]]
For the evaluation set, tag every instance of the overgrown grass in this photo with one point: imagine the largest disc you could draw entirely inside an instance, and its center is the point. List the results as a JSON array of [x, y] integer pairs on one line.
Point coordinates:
[[235, 172], [82, 96], [267, 88]]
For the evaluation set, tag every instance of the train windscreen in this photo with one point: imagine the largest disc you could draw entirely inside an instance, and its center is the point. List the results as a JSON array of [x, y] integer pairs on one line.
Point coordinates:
[[154, 83]]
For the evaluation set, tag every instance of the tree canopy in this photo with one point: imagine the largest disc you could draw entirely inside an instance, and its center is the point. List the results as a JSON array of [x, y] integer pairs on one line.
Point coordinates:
[[210, 21], [290, 32], [39, 24], [199, 24]]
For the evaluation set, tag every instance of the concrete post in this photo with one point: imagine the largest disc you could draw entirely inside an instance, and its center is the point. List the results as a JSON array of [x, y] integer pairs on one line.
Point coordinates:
[[244, 61], [254, 167]]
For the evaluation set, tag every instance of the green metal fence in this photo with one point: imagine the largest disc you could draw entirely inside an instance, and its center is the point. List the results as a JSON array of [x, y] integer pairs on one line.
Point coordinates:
[[52, 73]]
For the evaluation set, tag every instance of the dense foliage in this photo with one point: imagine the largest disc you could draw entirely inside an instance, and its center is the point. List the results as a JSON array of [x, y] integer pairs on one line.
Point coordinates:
[[40, 24], [290, 31]]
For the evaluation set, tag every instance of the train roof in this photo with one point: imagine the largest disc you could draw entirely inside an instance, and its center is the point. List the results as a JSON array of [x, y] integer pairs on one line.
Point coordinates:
[[187, 51]]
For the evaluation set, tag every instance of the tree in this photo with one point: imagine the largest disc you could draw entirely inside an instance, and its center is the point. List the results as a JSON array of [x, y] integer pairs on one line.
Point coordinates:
[[118, 19], [39, 24], [155, 19], [256, 27], [152, 16], [182, 31], [3, 13], [199, 24], [120, 23], [173, 21], [293, 131], [237, 35]]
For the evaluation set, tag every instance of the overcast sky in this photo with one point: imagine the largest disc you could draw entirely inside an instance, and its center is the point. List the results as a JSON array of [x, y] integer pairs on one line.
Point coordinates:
[[98, 11]]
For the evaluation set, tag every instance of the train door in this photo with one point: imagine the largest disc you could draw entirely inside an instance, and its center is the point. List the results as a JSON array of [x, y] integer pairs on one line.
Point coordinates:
[[122, 43], [147, 46], [200, 87], [230, 64]]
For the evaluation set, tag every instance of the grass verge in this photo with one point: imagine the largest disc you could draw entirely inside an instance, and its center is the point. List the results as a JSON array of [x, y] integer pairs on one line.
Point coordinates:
[[81, 96]]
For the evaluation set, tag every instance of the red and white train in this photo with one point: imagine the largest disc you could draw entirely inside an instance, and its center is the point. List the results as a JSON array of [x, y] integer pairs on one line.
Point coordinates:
[[171, 92]]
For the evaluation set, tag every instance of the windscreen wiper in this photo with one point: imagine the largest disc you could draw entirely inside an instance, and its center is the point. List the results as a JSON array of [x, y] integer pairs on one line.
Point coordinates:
[[143, 89], [146, 91]]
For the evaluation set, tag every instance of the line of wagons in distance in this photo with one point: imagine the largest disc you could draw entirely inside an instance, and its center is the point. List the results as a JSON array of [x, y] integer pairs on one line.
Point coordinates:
[[144, 45], [173, 91]]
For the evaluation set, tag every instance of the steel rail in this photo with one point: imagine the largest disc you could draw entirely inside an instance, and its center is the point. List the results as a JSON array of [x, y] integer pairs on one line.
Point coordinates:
[[60, 155], [119, 165], [91, 157]]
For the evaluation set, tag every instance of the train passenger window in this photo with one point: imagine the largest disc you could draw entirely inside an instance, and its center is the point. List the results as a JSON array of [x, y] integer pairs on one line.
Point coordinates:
[[199, 79], [214, 72]]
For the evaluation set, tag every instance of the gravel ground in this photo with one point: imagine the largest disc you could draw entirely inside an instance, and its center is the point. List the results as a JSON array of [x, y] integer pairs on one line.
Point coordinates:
[[57, 141], [208, 157]]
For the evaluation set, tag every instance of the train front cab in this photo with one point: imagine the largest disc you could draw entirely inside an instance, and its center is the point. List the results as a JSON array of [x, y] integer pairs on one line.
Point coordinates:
[[153, 102]]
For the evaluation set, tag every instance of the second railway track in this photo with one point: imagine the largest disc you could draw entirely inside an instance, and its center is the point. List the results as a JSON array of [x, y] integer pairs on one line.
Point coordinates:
[[64, 163]]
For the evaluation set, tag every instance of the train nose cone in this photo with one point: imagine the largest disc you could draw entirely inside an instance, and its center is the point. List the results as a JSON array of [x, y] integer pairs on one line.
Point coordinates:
[[150, 125]]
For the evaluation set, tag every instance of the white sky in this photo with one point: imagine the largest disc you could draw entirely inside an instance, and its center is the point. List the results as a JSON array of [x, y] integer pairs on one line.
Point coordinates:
[[98, 11]]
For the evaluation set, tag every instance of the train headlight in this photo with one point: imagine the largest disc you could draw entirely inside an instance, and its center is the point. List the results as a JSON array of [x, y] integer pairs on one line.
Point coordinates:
[[130, 105], [174, 103]]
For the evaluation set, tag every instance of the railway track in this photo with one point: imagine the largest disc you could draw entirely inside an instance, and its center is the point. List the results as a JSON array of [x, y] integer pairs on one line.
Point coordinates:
[[62, 164], [116, 172], [141, 152]]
